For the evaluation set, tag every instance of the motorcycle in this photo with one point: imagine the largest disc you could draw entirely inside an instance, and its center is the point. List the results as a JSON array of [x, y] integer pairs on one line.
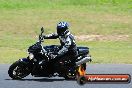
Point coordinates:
[[40, 63]]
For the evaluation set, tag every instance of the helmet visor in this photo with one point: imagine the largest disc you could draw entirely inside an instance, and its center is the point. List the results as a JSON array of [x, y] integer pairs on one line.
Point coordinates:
[[60, 31]]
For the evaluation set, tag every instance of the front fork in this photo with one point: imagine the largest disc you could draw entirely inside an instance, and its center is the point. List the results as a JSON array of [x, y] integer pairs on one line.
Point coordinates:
[[27, 62]]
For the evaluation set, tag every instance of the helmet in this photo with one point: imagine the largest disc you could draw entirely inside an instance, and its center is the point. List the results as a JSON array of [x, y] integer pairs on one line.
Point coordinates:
[[62, 28]]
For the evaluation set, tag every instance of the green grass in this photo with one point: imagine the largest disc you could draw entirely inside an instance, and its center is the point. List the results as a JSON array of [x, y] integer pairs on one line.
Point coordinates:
[[20, 21], [110, 52]]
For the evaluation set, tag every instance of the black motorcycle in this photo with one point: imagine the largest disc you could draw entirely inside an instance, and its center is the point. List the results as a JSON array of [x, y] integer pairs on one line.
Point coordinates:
[[40, 62]]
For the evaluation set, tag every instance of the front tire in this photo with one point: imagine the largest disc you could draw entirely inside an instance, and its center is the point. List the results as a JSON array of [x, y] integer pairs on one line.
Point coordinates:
[[18, 70]]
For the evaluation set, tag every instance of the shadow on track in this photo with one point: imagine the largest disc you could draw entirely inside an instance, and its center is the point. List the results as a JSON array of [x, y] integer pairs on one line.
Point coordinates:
[[41, 80]]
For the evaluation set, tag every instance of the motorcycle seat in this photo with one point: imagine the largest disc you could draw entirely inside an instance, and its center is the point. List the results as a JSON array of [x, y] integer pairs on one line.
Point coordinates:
[[82, 50]]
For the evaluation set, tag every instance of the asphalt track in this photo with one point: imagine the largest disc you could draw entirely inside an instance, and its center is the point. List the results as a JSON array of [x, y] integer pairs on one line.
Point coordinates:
[[56, 82]]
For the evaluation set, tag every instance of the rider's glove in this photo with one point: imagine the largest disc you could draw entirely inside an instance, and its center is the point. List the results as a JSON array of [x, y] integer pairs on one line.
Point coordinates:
[[44, 36], [53, 56]]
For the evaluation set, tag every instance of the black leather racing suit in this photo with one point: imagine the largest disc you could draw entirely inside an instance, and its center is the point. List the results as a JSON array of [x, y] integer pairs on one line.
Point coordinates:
[[68, 49]]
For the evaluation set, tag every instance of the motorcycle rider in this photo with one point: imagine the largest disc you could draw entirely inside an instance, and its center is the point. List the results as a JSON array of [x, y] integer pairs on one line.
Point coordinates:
[[68, 48]]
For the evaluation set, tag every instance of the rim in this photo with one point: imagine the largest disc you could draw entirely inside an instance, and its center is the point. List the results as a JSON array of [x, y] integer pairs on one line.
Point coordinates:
[[20, 72]]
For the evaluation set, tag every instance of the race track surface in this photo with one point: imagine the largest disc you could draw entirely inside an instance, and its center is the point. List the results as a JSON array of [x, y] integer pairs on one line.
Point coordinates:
[[56, 82]]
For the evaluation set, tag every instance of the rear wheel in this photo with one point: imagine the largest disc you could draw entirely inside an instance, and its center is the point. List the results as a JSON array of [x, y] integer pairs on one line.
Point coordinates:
[[70, 74], [69, 77], [18, 70]]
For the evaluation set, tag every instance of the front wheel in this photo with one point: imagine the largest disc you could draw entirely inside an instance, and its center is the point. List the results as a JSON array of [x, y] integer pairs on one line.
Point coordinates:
[[18, 70]]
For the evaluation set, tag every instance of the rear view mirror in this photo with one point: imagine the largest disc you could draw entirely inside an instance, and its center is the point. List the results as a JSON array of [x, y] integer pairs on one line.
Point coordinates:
[[42, 30]]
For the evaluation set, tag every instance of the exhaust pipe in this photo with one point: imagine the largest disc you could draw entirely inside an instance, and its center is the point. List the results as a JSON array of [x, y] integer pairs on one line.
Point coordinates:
[[83, 60]]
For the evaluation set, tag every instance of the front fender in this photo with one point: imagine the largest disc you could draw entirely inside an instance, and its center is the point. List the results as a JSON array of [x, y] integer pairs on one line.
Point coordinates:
[[25, 60]]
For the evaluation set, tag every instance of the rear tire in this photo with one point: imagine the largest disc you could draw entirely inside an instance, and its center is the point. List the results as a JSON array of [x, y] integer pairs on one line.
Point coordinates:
[[69, 78], [70, 75], [18, 70]]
